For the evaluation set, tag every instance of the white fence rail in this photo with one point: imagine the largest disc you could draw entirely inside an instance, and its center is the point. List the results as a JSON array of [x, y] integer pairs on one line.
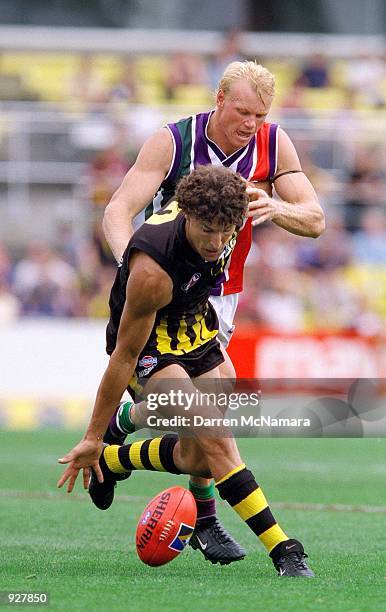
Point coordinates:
[[121, 40]]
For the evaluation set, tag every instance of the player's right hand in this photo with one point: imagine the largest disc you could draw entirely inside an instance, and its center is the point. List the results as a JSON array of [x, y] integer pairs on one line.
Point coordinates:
[[83, 456]]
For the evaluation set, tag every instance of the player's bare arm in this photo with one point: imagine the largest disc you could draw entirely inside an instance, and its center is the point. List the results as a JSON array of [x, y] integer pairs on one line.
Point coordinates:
[[137, 190], [149, 288], [298, 211]]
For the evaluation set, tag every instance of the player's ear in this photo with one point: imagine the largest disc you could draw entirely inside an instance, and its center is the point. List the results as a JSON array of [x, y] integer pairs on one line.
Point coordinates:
[[220, 98]]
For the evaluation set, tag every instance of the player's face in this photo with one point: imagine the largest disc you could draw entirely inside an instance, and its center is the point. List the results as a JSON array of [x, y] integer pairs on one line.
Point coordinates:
[[240, 112], [208, 238]]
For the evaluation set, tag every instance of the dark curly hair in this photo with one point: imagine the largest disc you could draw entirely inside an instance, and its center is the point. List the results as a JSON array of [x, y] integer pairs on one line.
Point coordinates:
[[213, 193]]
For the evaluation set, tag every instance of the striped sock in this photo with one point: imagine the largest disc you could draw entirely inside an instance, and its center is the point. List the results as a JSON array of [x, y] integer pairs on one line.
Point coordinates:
[[240, 489], [205, 500], [155, 455]]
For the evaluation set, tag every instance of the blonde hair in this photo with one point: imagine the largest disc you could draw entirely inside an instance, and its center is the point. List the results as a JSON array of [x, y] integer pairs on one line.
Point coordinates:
[[261, 79]]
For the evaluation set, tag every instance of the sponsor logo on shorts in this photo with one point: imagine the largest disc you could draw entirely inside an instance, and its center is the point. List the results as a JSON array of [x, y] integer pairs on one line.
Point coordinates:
[[145, 372], [196, 276], [147, 361]]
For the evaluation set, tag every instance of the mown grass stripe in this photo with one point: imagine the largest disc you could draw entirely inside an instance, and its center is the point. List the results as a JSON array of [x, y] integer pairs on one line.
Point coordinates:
[[10, 493]]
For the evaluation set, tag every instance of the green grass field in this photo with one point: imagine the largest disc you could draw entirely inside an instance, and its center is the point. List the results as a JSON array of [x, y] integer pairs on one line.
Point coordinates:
[[85, 559]]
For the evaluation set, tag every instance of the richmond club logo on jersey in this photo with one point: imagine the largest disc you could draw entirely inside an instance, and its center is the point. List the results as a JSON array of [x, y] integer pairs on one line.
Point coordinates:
[[196, 276]]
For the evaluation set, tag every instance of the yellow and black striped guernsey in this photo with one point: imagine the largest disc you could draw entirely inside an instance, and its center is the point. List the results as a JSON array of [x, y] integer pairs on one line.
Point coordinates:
[[188, 325]]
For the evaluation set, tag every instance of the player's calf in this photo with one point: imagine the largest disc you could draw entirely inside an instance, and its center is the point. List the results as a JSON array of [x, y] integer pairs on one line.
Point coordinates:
[[240, 489]]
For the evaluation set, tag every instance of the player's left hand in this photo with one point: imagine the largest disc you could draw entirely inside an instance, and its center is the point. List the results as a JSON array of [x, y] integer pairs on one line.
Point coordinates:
[[253, 185], [83, 456], [261, 206]]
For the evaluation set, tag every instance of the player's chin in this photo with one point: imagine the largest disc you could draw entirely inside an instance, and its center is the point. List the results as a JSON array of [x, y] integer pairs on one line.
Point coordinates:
[[243, 139], [210, 256]]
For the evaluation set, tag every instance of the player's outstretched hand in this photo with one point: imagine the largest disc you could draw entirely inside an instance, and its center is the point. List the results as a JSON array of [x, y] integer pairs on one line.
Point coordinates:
[[83, 456], [261, 206]]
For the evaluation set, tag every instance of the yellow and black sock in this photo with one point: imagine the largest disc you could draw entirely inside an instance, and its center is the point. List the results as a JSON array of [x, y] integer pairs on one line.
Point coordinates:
[[155, 455], [240, 489]]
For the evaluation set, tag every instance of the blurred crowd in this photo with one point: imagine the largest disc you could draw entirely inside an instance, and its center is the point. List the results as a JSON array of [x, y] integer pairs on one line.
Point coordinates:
[[90, 79], [337, 282]]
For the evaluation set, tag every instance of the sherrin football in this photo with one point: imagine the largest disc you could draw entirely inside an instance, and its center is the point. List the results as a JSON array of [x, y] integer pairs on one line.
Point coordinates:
[[165, 526]]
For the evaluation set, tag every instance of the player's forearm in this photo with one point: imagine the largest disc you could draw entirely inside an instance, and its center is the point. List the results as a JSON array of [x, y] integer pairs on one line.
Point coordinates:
[[117, 228], [113, 384], [302, 219]]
